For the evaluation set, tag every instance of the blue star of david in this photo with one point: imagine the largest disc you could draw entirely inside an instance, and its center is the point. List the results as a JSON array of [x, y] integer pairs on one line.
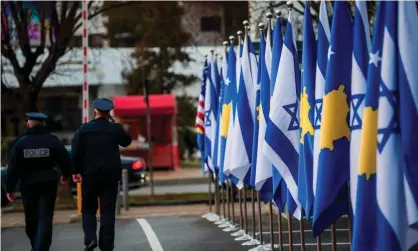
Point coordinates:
[[207, 119], [356, 101], [318, 113], [392, 126], [292, 109]]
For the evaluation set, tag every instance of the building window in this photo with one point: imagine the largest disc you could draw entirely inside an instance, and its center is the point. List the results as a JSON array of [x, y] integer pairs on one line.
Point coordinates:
[[212, 23]]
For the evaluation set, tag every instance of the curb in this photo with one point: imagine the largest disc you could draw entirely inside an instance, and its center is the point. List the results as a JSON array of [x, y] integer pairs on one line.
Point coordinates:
[[192, 181]]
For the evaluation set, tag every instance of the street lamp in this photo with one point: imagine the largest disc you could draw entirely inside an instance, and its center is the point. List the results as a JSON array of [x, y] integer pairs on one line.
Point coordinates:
[[145, 83]]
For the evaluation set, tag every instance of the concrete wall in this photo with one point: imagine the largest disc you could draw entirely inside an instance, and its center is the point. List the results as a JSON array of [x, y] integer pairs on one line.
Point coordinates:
[[191, 21]]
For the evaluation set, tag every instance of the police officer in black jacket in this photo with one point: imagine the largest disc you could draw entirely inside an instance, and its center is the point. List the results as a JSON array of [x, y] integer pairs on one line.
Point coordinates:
[[33, 160], [97, 165]]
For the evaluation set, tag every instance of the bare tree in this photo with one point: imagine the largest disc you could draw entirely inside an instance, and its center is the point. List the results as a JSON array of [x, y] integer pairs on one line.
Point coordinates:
[[65, 18]]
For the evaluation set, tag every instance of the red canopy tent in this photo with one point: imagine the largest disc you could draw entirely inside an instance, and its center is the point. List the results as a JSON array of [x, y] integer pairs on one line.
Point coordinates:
[[163, 109]]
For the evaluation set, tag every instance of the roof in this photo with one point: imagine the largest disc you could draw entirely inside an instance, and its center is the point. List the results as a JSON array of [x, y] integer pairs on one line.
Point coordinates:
[[106, 66], [129, 106]]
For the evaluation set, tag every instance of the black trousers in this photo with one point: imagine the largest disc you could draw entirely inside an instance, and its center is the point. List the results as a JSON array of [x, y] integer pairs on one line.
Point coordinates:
[[39, 206], [106, 190]]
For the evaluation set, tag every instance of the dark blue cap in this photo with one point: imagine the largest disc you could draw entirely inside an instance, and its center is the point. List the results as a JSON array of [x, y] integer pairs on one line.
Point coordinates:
[[103, 104], [36, 116]]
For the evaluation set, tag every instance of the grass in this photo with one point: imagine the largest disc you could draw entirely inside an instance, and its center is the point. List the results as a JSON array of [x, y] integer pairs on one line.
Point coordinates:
[[191, 163]]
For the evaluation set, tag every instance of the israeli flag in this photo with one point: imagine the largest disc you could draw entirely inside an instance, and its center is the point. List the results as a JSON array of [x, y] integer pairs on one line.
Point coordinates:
[[244, 117], [398, 89], [211, 111], [282, 133], [264, 172]]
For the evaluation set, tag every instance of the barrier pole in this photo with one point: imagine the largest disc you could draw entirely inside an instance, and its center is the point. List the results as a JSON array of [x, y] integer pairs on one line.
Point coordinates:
[[118, 200], [85, 91], [125, 189]]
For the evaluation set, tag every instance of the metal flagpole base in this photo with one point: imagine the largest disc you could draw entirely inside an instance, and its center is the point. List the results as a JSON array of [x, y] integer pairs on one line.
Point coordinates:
[[252, 242], [225, 225], [230, 229], [212, 217], [245, 237], [239, 233], [221, 221], [261, 248]]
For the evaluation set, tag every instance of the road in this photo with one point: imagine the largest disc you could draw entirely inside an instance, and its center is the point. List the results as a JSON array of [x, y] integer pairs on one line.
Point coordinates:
[[169, 233], [172, 233]]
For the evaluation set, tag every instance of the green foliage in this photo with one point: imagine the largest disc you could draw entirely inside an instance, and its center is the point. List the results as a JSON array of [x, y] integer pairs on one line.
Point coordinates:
[[185, 121], [156, 31]]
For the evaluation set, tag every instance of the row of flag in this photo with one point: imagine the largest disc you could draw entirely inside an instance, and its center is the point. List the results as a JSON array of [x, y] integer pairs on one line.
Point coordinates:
[[330, 137]]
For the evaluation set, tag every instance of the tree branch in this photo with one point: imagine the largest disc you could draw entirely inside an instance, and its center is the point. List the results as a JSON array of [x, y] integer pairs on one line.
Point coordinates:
[[54, 26], [6, 48], [64, 8], [90, 16], [22, 27], [41, 47]]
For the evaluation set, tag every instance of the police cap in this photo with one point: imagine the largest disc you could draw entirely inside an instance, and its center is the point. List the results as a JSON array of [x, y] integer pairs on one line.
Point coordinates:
[[103, 104], [36, 116]]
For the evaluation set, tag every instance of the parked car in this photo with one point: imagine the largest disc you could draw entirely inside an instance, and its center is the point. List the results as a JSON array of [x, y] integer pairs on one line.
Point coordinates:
[[137, 176]]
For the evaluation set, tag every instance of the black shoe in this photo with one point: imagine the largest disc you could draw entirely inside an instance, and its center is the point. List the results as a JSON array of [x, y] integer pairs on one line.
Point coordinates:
[[91, 246]]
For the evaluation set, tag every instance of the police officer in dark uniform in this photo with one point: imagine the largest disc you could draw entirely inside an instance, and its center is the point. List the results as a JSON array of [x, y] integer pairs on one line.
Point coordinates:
[[97, 165], [33, 161]]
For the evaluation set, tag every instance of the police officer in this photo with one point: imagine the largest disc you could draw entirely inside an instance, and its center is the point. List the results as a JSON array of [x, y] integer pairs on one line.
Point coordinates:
[[97, 165], [33, 161]]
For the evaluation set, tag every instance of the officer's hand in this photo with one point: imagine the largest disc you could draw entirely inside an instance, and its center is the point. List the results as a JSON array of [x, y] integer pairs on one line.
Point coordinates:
[[11, 197], [64, 180], [77, 178]]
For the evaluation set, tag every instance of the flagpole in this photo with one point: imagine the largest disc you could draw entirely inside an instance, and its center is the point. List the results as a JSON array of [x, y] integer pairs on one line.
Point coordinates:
[[349, 217], [280, 230], [224, 187], [246, 28], [269, 16], [241, 218], [229, 182], [217, 206], [302, 233], [289, 227], [239, 33]]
